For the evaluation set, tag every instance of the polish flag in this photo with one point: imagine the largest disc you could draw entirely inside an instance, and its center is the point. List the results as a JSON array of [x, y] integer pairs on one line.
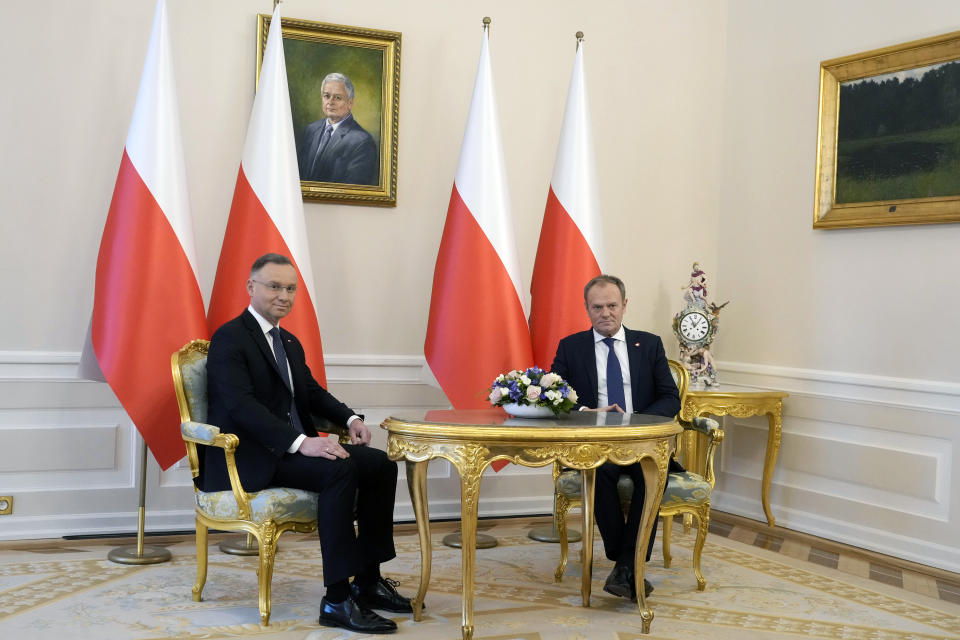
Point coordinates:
[[267, 211], [147, 302], [477, 327], [570, 251]]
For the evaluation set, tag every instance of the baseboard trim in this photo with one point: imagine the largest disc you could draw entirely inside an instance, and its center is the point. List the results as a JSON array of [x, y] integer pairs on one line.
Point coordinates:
[[917, 550]]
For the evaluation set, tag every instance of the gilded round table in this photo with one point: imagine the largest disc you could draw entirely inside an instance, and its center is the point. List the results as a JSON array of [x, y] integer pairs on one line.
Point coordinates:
[[471, 440]]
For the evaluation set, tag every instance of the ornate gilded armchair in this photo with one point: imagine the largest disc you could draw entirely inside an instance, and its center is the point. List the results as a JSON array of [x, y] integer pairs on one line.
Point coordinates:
[[685, 493], [264, 514]]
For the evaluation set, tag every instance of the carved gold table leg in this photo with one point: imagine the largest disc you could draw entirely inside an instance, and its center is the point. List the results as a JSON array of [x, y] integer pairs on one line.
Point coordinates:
[[775, 420], [655, 479], [417, 484], [589, 482], [469, 492]]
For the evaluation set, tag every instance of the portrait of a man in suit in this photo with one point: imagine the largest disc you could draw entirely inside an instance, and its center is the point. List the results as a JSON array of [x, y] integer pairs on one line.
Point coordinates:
[[337, 148]]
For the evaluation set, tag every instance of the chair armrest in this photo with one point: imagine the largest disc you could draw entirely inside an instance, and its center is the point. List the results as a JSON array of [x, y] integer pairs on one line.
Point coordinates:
[[702, 424], [710, 428], [209, 435], [325, 426]]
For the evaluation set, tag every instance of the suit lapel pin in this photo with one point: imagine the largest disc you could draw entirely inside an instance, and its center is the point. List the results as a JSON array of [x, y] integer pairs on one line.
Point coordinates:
[[636, 344]]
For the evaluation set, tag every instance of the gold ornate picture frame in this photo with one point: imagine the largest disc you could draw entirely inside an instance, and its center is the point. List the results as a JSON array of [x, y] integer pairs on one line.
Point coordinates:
[[884, 146], [357, 164]]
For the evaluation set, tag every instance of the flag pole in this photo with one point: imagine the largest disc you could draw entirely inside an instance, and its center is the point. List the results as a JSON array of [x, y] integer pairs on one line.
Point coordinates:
[[550, 532], [140, 554], [455, 540]]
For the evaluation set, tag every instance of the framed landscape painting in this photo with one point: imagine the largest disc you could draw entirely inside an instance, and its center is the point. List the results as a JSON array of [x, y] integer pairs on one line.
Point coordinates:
[[888, 151], [344, 98]]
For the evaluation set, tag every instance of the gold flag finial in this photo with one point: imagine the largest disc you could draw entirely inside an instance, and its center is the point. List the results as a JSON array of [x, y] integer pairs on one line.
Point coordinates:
[[486, 23], [579, 36]]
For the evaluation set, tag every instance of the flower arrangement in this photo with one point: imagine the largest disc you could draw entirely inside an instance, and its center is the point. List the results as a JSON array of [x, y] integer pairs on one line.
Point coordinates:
[[533, 387]]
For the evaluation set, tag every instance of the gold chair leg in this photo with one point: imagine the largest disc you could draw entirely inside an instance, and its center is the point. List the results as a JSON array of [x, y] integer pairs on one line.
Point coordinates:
[[268, 549], [703, 523], [201, 562], [562, 508], [667, 531], [687, 522]]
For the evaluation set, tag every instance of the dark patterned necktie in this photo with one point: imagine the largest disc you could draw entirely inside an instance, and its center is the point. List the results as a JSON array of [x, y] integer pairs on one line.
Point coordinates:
[[281, 356], [324, 139], [614, 377]]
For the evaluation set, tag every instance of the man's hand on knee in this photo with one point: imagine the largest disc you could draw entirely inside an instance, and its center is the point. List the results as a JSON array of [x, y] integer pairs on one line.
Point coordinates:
[[322, 448]]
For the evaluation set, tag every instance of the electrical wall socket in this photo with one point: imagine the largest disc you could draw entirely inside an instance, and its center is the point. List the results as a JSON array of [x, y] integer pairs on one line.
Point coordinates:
[[6, 505]]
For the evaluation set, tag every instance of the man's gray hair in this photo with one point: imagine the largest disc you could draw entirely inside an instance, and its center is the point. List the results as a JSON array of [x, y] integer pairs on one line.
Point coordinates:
[[605, 279], [339, 77]]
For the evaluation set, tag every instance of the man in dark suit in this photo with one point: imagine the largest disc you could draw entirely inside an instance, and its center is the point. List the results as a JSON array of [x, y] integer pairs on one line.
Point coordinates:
[[337, 148], [613, 368], [261, 389]]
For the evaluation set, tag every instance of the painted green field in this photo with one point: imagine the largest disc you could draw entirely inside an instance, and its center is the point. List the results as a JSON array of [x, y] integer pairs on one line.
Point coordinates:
[[913, 165]]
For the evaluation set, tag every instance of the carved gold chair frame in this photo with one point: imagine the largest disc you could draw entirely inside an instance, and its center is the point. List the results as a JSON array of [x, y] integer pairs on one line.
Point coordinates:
[[266, 514]]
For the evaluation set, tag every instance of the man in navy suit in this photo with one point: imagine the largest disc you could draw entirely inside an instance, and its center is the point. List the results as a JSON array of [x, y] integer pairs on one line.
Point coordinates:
[[613, 368], [260, 388], [337, 148]]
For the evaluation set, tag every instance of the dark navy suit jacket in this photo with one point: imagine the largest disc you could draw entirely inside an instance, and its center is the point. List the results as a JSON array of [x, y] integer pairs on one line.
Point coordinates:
[[247, 396], [651, 384], [350, 156]]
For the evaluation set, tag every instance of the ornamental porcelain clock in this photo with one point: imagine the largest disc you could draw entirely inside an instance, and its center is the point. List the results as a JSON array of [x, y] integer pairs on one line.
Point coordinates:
[[695, 327]]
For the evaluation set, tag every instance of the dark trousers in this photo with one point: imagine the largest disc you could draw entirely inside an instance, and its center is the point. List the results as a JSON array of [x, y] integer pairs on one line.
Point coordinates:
[[367, 479], [620, 534]]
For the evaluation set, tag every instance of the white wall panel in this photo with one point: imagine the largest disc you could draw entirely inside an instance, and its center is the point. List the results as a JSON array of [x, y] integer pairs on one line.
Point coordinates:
[[864, 460]]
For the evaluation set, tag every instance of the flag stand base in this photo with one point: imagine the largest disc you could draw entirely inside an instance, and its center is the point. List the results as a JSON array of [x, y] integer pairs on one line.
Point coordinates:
[[241, 546], [549, 533], [140, 554], [483, 541]]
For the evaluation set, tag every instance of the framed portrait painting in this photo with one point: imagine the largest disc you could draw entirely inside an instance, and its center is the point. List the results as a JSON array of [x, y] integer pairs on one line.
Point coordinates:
[[344, 97], [888, 151]]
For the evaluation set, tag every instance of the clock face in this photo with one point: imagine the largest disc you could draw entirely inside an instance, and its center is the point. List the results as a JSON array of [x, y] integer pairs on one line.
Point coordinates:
[[694, 326]]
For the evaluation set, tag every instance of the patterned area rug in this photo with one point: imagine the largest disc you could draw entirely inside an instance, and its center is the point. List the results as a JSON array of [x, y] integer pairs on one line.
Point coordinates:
[[72, 591]]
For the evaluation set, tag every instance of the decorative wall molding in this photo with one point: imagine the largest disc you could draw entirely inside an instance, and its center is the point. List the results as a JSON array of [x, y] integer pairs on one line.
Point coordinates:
[[61, 366], [907, 393], [912, 393], [873, 414]]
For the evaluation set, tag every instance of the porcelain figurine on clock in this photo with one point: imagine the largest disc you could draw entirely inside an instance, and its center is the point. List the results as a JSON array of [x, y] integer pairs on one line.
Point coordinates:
[[696, 327]]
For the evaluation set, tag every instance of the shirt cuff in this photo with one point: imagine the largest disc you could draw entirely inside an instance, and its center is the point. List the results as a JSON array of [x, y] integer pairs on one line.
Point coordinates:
[[352, 419], [296, 443]]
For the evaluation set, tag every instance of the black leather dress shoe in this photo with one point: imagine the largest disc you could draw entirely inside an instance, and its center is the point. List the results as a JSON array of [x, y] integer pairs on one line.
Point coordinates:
[[350, 614], [383, 595], [621, 580]]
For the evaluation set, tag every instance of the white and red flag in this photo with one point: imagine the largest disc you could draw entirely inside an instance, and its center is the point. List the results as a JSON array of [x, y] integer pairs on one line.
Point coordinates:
[[477, 327], [267, 211], [147, 302], [570, 251]]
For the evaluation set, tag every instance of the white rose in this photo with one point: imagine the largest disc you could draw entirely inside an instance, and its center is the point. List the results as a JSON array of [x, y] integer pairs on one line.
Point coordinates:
[[524, 379], [533, 393], [549, 379], [572, 396]]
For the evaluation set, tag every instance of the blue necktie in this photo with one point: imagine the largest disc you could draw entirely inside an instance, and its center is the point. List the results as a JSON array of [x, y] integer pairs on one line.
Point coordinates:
[[281, 356], [614, 377]]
